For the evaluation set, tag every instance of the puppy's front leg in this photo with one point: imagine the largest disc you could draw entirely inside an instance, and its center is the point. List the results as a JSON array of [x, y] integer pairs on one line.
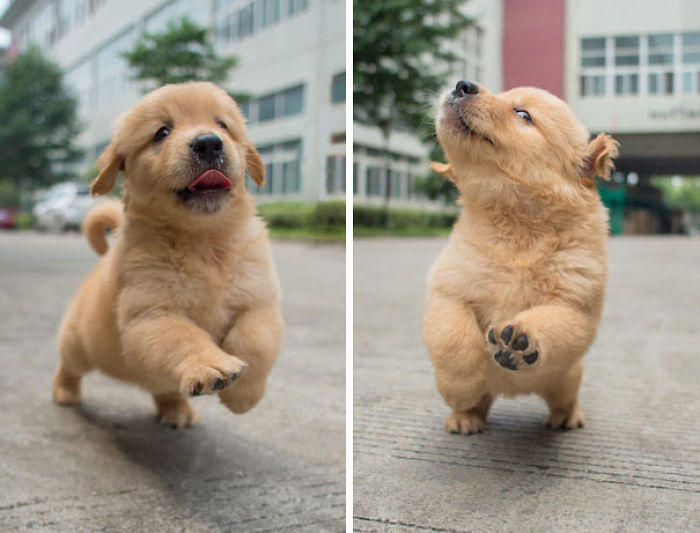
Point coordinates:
[[453, 338], [184, 355], [255, 338]]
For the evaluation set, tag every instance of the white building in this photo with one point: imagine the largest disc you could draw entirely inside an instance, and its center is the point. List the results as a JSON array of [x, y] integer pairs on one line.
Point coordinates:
[[633, 69], [291, 59]]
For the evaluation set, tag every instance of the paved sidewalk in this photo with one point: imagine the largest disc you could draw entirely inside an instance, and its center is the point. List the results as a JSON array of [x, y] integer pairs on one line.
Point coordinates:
[[108, 466], [634, 467]]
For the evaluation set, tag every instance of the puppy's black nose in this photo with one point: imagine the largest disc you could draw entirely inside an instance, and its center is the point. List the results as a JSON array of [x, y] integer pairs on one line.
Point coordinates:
[[207, 147], [465, 88]]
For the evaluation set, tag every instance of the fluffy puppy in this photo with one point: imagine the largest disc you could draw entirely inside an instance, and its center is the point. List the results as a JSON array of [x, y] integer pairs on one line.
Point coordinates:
[[187, 297], [515, 298]]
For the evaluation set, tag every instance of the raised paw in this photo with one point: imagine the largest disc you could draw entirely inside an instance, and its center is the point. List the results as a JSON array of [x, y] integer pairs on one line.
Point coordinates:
[[207, 377], [566, 418], [464, 422], [512, 347]]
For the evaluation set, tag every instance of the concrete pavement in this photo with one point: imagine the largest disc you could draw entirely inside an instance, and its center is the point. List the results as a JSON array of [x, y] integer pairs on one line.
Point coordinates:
[[108, 466], [634, 467]]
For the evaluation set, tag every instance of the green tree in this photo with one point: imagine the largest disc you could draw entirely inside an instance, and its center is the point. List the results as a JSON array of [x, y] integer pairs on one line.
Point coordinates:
[[400, 61], [181, 53], [38, 123]]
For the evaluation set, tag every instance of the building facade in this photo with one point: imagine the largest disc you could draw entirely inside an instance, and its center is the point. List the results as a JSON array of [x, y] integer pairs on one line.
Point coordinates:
[[291, 61]]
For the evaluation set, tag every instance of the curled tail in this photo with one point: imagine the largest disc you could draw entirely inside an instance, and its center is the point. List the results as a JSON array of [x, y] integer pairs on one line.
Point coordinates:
[[108, 214]]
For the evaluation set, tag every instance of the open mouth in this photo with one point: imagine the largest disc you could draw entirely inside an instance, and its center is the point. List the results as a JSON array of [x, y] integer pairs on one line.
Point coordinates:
[[206, 192], [471, 132], [209, 182]]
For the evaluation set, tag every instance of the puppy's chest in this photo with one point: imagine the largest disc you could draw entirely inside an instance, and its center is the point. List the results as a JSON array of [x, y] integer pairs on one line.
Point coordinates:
[[502, 282], [202, 287]]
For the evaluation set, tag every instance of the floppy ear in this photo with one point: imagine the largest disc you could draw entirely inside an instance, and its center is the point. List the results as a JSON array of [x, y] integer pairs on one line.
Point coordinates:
[[598, 160], [254, 164], [442, 168], [109, 163]]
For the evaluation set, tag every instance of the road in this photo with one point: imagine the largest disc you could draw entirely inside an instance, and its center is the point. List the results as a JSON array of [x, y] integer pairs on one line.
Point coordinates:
[[634, 467], [108, 466]]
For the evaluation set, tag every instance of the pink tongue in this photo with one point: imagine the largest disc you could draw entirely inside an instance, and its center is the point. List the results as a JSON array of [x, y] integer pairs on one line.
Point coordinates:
[[211, 179]]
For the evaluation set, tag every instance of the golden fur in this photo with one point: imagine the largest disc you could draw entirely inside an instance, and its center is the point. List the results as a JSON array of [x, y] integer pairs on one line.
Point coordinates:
[[187, 297], [527, 258]]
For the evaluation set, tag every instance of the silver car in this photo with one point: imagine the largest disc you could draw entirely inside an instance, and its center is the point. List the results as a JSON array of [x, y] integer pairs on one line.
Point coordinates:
[[63, 207]]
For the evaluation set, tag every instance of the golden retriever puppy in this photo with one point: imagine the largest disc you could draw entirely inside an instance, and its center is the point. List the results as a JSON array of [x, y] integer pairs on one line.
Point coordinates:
[[187, 297], [515, 298]]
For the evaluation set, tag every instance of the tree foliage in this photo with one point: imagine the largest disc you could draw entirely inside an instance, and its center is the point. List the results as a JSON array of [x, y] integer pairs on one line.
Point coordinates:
[[38, 122], [680, 193], [400, 61], [181, 53]]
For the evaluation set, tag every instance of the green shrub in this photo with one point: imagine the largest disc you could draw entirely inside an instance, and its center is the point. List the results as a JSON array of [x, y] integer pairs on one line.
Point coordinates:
[[287, 215], [397, 219], [25, 220], [329, 215]]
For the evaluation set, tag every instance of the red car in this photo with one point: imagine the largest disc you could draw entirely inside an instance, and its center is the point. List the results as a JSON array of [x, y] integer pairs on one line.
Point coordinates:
[[7, 218]]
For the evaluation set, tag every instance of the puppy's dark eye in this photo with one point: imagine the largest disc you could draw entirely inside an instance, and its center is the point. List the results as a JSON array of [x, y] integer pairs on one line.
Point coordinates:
[[222, 124], [524, 115], [161, 134]]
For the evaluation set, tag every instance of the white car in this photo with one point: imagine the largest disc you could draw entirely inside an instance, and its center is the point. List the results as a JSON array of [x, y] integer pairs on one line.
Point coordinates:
[[63, 207]]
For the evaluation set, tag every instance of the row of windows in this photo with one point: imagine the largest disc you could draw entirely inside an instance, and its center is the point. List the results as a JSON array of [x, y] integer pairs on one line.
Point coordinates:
[[628, 50], [54, 20], [286, 103], [282, 169], [380, 182], [235, 24], [629, 84], [656, 64]]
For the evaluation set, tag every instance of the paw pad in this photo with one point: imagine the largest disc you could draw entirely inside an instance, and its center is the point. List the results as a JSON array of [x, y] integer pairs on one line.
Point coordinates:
[[509, 345]]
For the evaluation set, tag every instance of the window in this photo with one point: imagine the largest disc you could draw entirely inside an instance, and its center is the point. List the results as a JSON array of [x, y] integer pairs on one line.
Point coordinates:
[[245, 21], [286, 103], [691, 48], [373, 178], [296, 6], [335, 174], [293, 101], [593, 52], [660, 49], [271, 12], [266, 108], [627, 50], [592, 85], [338, 88], [282, 169], [626, 84]]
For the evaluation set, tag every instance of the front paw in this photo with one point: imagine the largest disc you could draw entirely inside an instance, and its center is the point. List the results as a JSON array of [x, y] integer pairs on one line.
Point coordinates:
[[209, 375], [512, 347]]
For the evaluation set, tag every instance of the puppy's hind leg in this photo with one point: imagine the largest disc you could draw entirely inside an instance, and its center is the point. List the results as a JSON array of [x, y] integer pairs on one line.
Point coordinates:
[[71, 367], [562, 398], [174, 410]]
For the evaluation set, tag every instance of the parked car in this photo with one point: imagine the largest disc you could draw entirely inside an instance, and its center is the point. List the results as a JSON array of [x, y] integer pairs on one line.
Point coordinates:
[[8, 218], [63, 207]]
